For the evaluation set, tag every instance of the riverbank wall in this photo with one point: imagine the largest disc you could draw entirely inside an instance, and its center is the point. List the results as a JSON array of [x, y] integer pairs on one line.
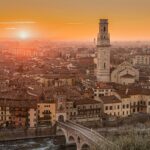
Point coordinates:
[[29, 133]]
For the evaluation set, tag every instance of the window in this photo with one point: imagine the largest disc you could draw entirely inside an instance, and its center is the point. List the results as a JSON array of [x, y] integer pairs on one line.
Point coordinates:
[[110, 107], [106, 108], [100, 95], [123, 106], [104, 65], [104, 28], [127, 105], [118, 107]]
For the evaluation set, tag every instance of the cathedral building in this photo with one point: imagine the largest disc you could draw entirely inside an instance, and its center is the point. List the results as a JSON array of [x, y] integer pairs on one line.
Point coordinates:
[[125, 74]]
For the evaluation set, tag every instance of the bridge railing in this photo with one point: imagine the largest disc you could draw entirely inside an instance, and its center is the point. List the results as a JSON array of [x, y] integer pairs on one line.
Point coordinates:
[[93, 131], [87, 129], [66, 125]]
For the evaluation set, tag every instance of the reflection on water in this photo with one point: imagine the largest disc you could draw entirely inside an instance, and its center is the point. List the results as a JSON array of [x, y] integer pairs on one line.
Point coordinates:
[[34, 144]]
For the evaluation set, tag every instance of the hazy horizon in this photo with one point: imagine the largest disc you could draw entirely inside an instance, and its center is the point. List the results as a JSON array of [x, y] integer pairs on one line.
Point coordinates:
[[73, 20]]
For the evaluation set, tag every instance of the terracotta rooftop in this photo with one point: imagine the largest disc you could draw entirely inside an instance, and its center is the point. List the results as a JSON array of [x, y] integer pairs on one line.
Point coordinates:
[[110, 99], [133, 91], [86, 101], [82, 101], [18, 103], [102, 85], [127, 76]]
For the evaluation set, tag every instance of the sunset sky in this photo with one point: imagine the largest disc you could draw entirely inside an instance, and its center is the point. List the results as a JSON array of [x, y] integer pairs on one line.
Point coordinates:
[[74, 19]]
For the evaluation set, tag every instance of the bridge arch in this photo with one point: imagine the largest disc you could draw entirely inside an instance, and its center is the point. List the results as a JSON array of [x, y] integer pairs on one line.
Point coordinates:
[[83, 136], [61, 131], [85, 147], [71, 139]]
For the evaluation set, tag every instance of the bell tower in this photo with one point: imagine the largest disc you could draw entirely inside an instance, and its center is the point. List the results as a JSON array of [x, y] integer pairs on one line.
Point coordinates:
[[103, 52]]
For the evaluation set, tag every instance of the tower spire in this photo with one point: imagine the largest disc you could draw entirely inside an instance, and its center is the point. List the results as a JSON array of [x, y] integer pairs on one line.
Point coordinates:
[[103, 35]]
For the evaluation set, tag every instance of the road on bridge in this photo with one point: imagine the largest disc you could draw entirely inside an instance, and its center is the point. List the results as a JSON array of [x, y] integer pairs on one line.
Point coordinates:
[[90, 134]]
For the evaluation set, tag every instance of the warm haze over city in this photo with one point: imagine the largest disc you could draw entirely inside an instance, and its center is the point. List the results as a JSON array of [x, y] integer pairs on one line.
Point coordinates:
[[74, 19], [74, 74]]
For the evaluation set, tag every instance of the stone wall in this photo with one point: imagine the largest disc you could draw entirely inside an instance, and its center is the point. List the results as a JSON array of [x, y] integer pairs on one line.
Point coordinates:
[[18, 134]]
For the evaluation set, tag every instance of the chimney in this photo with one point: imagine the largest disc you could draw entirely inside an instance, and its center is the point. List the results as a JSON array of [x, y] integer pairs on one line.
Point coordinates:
[[127, 90]]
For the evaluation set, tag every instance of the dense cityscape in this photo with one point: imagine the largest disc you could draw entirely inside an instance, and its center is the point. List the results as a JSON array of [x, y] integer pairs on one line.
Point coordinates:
[[60, 92], [96, 85]]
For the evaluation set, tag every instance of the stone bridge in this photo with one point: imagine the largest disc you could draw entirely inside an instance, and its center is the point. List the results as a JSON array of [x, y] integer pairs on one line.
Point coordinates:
[[84, 138]]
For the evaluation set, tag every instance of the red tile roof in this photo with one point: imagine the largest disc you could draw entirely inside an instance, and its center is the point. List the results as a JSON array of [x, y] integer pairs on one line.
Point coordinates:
[[127, 76], [110, 99]]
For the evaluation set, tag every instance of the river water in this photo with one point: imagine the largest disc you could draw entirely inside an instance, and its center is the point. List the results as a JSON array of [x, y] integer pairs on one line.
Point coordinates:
[[33, 144]]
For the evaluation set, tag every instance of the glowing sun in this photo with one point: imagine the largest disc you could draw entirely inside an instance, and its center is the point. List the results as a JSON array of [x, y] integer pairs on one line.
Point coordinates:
[[24, 35]]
